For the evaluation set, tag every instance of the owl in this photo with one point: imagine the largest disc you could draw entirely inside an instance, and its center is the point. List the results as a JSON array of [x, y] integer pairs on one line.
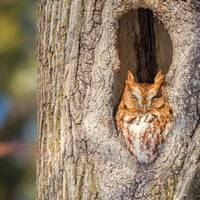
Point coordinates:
[[144, 117]]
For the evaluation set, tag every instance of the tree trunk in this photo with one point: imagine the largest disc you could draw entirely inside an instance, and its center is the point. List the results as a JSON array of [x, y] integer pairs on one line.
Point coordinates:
[[84, 55]]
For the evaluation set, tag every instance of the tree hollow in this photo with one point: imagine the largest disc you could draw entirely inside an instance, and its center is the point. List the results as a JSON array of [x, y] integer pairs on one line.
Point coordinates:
[[144, 45]]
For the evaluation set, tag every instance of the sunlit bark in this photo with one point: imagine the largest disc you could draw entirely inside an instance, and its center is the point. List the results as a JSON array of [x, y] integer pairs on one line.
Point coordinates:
[[81, 79]]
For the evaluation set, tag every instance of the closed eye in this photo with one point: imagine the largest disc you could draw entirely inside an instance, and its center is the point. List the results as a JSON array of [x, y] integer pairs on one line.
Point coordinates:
[[158, 95], [133, 96]]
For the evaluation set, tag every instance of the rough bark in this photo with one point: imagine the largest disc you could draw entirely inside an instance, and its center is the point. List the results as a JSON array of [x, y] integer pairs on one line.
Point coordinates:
[[81, 79]]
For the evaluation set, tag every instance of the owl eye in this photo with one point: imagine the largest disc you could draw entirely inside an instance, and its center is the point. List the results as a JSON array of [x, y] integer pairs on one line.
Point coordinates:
[[133, 96], [158, 95]]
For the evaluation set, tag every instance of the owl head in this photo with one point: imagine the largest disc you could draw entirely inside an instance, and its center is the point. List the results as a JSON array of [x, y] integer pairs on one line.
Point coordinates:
[[144, 97]]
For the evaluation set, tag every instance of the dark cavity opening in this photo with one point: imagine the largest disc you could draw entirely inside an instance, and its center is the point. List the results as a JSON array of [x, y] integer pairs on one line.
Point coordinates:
[[144, 46]]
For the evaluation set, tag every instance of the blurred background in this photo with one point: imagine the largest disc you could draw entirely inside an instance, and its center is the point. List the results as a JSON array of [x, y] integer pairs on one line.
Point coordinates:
[[17, 99]]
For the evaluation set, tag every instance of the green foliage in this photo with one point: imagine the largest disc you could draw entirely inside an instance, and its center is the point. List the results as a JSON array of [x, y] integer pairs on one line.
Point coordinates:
[[18, 81], [17, 39]]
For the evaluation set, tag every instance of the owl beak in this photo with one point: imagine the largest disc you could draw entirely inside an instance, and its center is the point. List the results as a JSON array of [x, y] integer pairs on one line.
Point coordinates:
[[144, 109]]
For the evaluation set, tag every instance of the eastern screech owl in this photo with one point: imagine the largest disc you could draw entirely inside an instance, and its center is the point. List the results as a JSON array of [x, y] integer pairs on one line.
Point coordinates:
[[144, 117]]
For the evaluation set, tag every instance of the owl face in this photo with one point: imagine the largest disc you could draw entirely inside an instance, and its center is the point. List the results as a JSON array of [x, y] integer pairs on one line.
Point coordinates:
[[144, 97]]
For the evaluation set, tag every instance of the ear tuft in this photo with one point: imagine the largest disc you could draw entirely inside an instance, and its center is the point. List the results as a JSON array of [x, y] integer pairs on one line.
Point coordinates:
[[160, 78], [130, 76], [129, 84]]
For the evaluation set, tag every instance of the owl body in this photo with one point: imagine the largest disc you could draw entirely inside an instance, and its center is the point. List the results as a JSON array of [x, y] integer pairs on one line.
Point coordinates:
[[144, 118]]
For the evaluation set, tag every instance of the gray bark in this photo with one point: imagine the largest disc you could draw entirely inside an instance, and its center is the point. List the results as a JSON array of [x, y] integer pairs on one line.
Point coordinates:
[[81, 77]]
